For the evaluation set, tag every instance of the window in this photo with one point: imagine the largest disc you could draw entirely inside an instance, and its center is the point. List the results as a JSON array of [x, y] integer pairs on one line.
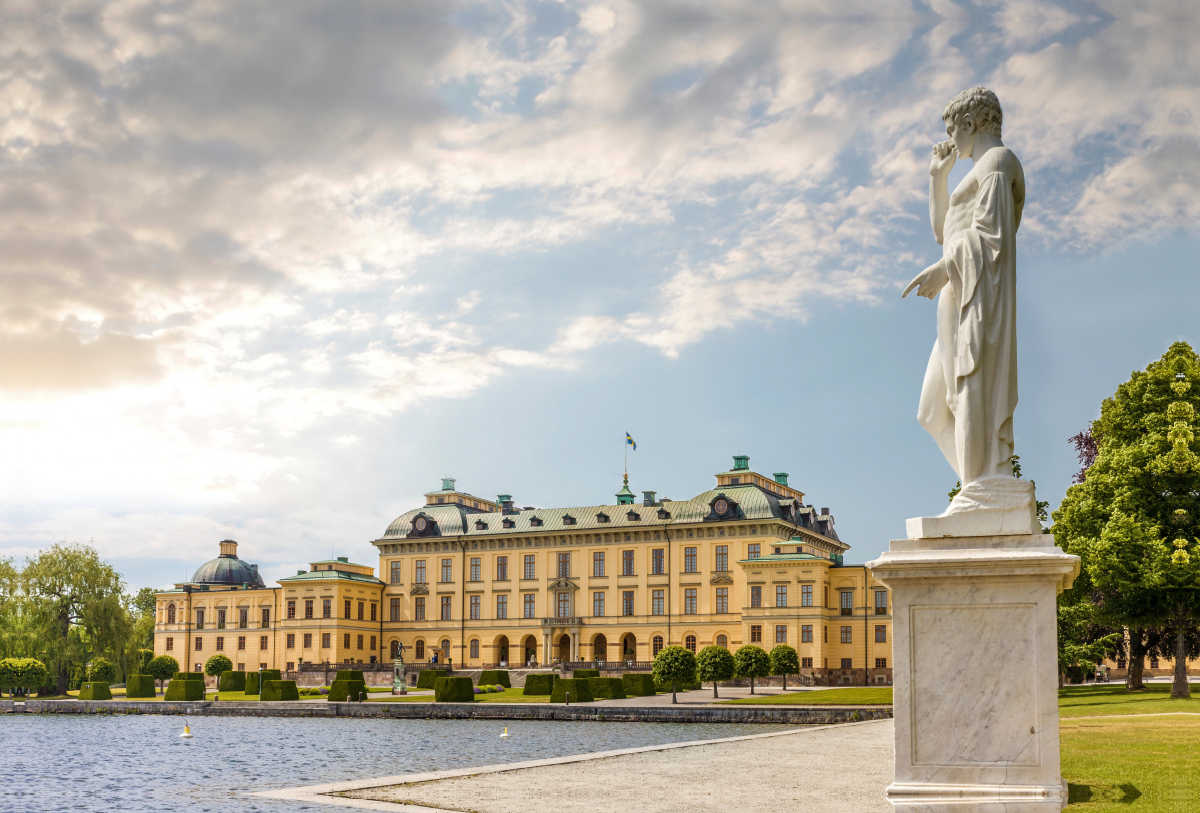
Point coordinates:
[[446, 612], [722, 642], [374, 610], [781, 633], [394, 609], [474, 647], [564, 565], [627, 563], [658, 645], [360, 642], [170, 644], [689, 601], [657, 565], [722, 599], [372, 644], [1154, 663], [756, 633], [502, 568], [200, 618], [564, 604], [501, 607], [627, 602], [656, 601], [806, 663], [689, 561], [396, 571], [360, 611], [476, 613], [722, 557], [881, 633], [756, 596], [419, 608], [690, 642], [447, 570], [420, 647], [220, 619], [326, 640], [291, 613], [476, 569], [346, 641], [598, 605], [291, 640], [243, 619], [530, 572], [170, 613], [1120, 661], [529, 607], [241, 642], [847, 663], [308, 640], [598, 564], [846, 635], [781, 595], [290, 666], [220, 643], [346, 608], [199, 643], [881, 663], [847, 602], [419, 577], [806, 595], [262, 642], [881, 602], [308, 608], [825, 635], [806, 633], [266, 617], [755, 550], [327, 608]]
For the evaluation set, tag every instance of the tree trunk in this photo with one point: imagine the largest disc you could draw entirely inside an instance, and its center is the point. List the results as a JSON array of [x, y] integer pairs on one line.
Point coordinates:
[[1137, 657], [714, 688], [785, 682], [751, 684], [673, 700], [1180, 687], [60, 686]]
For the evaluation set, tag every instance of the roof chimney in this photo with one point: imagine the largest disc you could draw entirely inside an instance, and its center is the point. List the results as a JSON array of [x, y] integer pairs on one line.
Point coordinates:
[[506, 503], [228, 548], [447, 484], [648, 498], [741, 462], [824, 512], [781, 477]]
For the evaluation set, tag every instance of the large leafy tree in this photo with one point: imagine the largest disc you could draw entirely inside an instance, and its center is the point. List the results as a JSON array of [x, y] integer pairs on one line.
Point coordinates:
[[1135, 517], [76, 608]]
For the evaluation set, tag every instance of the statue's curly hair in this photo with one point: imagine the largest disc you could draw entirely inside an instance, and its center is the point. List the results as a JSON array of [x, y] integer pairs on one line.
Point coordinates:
[[982, 104]]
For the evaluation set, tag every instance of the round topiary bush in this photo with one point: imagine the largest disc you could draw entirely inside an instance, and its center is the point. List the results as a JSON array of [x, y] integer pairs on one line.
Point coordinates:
[[752, 662], [674, 668], [162, 668], [214, 666], [714, 663]]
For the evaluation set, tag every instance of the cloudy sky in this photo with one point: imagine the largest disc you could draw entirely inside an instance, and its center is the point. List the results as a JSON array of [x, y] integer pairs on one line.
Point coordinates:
[[268, 271]]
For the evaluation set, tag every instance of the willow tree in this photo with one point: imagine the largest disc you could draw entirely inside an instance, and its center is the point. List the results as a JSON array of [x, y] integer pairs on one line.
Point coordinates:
[[1135, 517]]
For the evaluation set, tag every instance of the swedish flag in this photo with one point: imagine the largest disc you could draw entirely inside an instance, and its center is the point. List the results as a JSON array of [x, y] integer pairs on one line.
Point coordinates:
[[630, 442]]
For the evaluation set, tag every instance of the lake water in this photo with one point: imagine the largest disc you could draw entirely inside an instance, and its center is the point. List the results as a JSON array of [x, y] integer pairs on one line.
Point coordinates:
[[138, 763]]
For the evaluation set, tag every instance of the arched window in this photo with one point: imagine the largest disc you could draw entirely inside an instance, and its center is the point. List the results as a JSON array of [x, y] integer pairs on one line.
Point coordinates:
[[690, 643], [445, 656], [722, 642], [170, 613], [474, 647], [658, 645], [420, 650]]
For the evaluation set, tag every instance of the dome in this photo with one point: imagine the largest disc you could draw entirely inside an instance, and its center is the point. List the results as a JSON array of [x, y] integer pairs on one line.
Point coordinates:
[[228, 569]]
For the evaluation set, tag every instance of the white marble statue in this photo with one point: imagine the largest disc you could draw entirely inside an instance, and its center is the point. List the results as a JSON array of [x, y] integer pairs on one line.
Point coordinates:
[[970, 388]]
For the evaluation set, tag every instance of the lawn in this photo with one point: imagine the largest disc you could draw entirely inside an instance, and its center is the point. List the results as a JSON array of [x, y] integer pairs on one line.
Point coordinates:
[[1105, 699], [507, 696], [868, 696], [1132, 763]]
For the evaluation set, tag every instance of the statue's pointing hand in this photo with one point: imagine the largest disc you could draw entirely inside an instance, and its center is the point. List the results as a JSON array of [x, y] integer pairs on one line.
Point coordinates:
[[929, 281]]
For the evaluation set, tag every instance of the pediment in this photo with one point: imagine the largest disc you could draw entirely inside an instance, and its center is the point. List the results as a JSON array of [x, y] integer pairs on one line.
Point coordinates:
[[563, 584], [721, 578]]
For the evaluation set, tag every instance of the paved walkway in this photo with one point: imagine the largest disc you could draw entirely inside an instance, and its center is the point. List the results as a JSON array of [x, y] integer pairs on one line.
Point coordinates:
[[833, 769]]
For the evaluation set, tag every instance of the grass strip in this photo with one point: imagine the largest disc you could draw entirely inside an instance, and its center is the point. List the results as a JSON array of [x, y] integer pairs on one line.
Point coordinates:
[[1133, 765], [869, 696], [1103, 699]]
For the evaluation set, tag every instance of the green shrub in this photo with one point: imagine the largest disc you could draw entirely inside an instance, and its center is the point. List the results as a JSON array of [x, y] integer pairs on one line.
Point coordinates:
[[95, 690], [182, 687], [581, 691], [252, 679], [674, 669], [585, 673], [638, 684], [102, 670], [232, 682], [278, 690], [607, 688], [427, 677], [753, 662], [453, 690], [162, 668], [344, 689], [350, 674], [214, 666], [139, 686], [714, 663], [784, 662], [539, 683], [490, 677]]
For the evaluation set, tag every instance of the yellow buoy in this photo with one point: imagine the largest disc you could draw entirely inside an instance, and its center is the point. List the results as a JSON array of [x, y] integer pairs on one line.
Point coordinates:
[[187, 732], [504, 733]]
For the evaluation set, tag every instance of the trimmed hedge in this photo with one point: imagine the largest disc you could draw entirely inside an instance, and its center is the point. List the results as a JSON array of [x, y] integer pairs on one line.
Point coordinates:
[[581, 691], [277, 690], [453, 690], [350, 674], [638, 684], [252, 686], [232, 681], [182, 688], [344, 690], [607, 688], [427, 677], [140, 686], [188, 676], [95, 690], [491, 677], [540, 683], [585, 673]]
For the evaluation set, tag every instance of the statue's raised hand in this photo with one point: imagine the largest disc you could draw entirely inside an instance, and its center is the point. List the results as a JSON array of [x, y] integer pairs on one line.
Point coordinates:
[[944, 156]]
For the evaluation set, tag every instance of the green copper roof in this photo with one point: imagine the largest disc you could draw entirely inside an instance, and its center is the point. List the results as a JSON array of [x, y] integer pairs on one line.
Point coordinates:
[[325, 575], [341, 561], [783, 557]]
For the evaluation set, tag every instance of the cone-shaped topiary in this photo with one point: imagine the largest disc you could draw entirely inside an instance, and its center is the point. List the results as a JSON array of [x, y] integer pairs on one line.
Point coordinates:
[[95, 690], [539, 683]]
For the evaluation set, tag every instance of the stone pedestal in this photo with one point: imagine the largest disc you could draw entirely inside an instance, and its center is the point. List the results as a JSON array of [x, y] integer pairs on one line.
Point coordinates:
[[975, 673]]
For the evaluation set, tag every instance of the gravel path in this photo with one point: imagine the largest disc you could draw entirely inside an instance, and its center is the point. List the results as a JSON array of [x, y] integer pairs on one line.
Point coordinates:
[[830, 769]]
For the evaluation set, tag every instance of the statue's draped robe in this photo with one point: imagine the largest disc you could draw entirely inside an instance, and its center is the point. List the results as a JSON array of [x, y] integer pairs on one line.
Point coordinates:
[[970, 389]]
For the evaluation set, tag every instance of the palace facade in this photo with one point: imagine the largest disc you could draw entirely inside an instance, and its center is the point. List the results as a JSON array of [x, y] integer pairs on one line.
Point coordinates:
[[488, 583]]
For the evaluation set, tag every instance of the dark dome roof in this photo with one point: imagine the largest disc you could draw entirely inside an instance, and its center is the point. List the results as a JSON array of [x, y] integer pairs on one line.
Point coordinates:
[[227, 569]]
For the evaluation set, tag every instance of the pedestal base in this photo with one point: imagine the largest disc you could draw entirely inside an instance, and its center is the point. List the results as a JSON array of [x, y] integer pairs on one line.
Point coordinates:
[[995, 506], [931, 798]]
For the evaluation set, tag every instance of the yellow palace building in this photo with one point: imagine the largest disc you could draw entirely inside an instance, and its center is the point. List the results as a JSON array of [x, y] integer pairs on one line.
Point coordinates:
[[486, 583]]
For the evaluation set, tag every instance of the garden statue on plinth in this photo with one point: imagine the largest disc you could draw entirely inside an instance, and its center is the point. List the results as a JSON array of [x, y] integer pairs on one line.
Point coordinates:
[[974, 590], [399, 678]]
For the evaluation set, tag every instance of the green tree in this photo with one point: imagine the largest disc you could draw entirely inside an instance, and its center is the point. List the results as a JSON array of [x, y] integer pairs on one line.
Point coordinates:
[[1135, 518], [8, 674], [784, 661], [30, 674], [144, 602], [675, 665], [75, 606], [751, 662], [141, 661], [714, 663], [102, 670], [162, 668], [214, 666], [1076, 648]]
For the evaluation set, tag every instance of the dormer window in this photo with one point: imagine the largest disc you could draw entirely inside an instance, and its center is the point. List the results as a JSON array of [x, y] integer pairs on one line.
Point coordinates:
[[480, 525], [568, 519], [633, 516], [508, 523], [733, 481], [664, 513], [602, 517], [535, 522], [423, 526]]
